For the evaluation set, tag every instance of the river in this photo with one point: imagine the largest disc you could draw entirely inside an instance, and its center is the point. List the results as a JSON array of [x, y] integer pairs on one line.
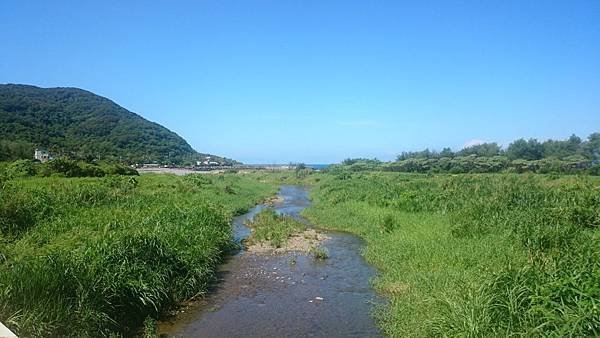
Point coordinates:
[[289, 295]]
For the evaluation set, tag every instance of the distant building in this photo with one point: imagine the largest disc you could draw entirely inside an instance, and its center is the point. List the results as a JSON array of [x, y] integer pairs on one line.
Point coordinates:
[[208, 161], [42, 155]]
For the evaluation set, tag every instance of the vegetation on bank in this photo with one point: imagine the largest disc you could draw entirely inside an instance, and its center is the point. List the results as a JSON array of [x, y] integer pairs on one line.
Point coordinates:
[[570, 156], [82, 125], [474, 255], [62, 167], [471, 254], [273, 228], [303, 176], [97, 256]]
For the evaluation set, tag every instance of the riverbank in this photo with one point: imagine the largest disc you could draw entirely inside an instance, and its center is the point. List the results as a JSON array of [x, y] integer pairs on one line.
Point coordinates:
[[97, 256], [473, 255]]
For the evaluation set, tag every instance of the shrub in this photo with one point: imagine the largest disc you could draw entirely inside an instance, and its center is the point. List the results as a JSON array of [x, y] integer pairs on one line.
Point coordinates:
[[319, 253], [21, 168]]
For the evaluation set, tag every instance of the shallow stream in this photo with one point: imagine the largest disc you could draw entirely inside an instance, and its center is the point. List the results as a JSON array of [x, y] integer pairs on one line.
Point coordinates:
[[289, 295]]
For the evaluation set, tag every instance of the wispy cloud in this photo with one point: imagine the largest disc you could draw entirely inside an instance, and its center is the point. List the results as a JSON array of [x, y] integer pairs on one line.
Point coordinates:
[[473, 142]]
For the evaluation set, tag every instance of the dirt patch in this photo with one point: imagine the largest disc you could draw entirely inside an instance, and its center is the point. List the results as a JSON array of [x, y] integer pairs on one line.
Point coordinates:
[[272, 201], [301, 242]]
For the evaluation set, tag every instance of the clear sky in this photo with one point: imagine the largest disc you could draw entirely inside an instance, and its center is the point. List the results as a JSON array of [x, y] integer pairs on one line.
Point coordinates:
[[319, 81]]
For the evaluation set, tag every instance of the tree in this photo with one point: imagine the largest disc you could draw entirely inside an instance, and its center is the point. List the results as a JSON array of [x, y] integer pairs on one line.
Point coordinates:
[[446, 152], [417, 154], [591, 148], [484, 149], [561, 149], [527, 150]]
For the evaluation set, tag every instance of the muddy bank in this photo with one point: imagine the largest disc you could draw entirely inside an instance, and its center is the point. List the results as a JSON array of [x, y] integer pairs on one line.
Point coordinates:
[[288, 294]]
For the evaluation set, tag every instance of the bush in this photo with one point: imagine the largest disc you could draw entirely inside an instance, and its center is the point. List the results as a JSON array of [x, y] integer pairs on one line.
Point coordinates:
[[65, 167], [21, 168]]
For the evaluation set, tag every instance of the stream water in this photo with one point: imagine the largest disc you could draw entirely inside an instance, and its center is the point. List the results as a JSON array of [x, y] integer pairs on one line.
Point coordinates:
[[289, 295]]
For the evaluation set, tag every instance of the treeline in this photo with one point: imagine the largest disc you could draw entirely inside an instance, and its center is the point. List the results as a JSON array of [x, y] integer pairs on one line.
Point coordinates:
[[569, 156], [62, 167]]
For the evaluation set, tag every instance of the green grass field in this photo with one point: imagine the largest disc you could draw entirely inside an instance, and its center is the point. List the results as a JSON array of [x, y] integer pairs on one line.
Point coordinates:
[[97, 256], [474, 255]]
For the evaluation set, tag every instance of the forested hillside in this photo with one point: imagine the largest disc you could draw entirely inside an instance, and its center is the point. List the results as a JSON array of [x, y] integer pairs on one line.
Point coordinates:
[[80, 124]]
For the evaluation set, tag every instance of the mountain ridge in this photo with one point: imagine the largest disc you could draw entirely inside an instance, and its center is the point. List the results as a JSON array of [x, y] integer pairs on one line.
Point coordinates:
[[78, 123]]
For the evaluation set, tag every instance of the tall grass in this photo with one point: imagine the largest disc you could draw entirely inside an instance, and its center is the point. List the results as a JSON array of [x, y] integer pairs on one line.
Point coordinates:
[[475, 255], [97, 256], [273, 228]]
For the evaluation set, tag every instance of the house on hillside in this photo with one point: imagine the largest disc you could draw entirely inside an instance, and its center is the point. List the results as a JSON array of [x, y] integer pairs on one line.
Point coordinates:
[[42, 155]]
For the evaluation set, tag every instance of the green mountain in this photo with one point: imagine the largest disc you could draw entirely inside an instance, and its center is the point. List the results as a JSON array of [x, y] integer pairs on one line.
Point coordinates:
[[80, 124]]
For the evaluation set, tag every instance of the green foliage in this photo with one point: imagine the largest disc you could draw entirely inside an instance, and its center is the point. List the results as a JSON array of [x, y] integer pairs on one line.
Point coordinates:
[[21, 168], [11, 150], [197, 180], [64, 167], [475, 255], [269, 226], [150, 328], [98, 256], [484, 149], [526, 150], [570, 156], [319, 253], [77, 123], [388, 223]]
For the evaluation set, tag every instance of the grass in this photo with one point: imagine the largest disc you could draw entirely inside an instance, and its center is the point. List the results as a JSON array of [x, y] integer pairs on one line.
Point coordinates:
[[458, 255], [98, 256], [319, 253], [279, 177], [474, 255], [273, 228]]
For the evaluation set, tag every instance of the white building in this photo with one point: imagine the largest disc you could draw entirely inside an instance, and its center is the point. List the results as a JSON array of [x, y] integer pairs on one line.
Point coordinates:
[[42, 155]]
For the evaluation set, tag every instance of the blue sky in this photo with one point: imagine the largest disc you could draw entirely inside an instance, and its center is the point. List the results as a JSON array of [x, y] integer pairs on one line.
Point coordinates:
[[319, 81]]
